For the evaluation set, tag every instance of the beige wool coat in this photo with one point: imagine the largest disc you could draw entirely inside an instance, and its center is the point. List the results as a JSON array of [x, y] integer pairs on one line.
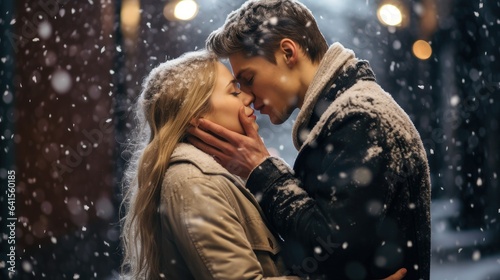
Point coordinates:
[[212, 226]]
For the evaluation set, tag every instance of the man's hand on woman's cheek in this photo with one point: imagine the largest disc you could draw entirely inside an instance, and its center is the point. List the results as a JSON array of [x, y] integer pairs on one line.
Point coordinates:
[[238, 153]]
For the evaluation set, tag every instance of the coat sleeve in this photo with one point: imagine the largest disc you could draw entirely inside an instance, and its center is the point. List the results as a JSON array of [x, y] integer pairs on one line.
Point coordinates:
[[208, 233], [343, 171]]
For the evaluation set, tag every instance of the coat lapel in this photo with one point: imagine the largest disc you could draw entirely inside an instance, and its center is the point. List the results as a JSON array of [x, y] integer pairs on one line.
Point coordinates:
[[188, 153]]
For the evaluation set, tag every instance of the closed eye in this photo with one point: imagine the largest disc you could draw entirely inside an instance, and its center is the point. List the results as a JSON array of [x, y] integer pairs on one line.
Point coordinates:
[[249, 81], [246, 82]]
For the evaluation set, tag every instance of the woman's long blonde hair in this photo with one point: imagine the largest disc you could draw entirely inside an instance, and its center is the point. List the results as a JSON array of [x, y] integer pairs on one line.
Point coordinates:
[[172, 95]]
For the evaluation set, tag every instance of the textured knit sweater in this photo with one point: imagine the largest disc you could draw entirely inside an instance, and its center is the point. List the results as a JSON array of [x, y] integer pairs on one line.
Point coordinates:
[[356, 204]]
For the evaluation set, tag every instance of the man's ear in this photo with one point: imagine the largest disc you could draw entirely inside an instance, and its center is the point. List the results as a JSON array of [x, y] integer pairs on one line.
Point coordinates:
[[289, 50]]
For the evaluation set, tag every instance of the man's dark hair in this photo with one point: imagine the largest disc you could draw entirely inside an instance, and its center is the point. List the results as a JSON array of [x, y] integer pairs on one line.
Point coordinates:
[[258, 26]]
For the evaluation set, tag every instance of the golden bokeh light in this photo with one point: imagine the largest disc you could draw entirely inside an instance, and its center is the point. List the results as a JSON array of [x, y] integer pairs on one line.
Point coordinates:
[[422, 50], [130, 14]]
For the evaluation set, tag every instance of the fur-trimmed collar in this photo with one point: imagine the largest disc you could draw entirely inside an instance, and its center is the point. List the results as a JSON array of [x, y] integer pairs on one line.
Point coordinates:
[[331, 64]]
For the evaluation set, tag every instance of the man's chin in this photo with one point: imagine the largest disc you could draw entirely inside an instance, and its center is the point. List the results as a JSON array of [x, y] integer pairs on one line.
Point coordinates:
[[278, 119]]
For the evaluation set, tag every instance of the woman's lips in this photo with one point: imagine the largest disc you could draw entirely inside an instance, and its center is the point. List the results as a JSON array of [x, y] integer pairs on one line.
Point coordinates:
[[252, 116]]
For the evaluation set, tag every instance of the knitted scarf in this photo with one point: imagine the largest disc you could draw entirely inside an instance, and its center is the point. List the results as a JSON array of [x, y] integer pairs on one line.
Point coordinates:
[[337, 71]]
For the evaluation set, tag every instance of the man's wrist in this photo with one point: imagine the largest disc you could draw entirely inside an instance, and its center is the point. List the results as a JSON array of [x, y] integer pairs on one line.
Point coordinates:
[[266, 173]]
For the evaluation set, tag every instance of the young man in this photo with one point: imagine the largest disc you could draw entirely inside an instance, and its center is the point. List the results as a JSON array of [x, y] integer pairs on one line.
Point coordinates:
[[356, 204]]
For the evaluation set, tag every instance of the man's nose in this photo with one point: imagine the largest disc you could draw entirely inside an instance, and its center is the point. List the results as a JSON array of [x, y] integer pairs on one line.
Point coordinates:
[[248, 98], [258, 103]]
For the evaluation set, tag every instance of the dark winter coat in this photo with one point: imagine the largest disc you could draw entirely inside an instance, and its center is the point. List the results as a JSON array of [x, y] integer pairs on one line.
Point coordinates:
[[356, 205]]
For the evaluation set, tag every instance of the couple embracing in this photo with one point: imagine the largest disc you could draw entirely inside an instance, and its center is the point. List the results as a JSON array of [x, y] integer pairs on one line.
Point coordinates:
[[205, 200]]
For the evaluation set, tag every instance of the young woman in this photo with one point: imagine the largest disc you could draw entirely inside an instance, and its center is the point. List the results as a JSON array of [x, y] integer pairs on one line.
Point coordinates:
[[188, 217]]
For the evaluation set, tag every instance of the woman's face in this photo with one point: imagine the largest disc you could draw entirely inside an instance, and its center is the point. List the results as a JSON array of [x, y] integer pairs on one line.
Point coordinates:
[[227, 99]]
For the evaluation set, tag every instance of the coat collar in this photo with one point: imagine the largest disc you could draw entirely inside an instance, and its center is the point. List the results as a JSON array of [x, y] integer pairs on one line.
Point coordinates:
[[185, 152], [331, 64]]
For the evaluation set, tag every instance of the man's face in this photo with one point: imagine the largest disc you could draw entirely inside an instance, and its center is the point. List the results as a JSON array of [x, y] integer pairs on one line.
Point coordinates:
[[275, 86]]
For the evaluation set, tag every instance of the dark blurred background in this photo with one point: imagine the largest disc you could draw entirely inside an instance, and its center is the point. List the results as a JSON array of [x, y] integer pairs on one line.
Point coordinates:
[[69, 71]]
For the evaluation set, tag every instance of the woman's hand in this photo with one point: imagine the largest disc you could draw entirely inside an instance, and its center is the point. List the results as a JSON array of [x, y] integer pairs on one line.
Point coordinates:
[[239, 154]]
